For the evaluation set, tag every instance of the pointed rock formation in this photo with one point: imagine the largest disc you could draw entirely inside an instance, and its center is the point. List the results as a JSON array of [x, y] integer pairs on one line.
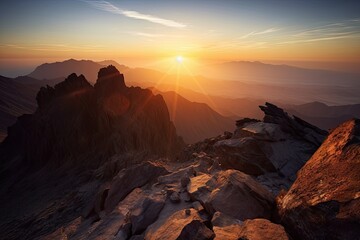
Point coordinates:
[[278, 144], [324, 201], [76, 121], [81, 136]]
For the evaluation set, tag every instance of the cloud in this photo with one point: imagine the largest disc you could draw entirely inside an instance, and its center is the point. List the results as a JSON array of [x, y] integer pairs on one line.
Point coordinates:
[[270, 30], [149, 35], [108, 7], [327, 32], [316, 39]]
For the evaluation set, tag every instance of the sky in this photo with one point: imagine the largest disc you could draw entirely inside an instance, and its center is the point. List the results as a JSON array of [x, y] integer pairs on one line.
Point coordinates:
[[145, 32]]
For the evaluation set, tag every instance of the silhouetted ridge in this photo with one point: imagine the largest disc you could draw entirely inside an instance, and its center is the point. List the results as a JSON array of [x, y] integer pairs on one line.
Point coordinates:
[[75, 120], [71, 84], [108, 71], [110, 81]]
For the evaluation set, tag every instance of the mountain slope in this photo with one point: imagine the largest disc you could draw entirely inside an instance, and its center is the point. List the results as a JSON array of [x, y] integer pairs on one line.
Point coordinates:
[[278, 83], [17, 97], [195, 121], [325, 116], [79, 135], [116, 108]]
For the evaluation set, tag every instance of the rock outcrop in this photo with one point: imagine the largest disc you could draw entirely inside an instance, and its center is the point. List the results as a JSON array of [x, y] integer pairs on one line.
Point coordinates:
[[210, 203], [61, 159], [76, 122], [324, 201], [230, 188], [129, 179], [278, 144], [182, 225]]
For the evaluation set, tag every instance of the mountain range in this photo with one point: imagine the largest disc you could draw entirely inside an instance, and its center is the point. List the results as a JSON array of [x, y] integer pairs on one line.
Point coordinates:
[[264, 73], [218, 109], [333, 88]]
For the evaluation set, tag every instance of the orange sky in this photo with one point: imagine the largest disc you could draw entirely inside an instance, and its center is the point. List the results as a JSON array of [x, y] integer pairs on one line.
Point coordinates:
[[140, 33]]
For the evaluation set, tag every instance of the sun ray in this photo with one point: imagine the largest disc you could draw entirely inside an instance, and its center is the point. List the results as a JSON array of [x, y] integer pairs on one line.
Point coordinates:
[[200, 87], [173, 114]]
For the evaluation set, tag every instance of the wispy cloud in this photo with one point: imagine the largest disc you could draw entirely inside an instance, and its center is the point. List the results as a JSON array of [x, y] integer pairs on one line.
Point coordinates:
[[327, 32], [331, 31], [148, 35], [108, 7], [270, 30], [254, 33], [315, 39]]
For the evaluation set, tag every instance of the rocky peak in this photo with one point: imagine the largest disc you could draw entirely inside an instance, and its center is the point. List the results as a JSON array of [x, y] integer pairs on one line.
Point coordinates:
[[75, 119], [293, 125], [280, 143], [71, 84], [110, 80]]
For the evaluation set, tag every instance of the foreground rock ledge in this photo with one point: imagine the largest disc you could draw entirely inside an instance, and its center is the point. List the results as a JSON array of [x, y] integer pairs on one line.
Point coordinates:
[[324, 201], [233, 193]]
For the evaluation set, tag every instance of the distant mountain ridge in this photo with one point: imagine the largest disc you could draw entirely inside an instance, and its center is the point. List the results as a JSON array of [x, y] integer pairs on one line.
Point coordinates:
[[232, 99], [62, 69], [284, 74], [324, 116], [255, 80]]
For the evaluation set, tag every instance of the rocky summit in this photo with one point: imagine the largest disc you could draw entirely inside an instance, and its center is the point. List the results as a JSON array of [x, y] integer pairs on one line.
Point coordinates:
[[79, 124], [77, 132], [104, 162], [278, 144]]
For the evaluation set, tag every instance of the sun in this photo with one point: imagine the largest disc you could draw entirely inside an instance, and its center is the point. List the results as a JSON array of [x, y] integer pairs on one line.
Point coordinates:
[[179, 59]]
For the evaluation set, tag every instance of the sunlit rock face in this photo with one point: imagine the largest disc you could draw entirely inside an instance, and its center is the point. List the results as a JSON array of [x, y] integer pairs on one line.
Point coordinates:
[[323, 202], [78, 123], [280, 144]]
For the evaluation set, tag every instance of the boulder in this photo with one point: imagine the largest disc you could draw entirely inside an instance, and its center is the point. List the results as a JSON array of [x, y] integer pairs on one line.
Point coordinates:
[[132, 216], [244, 154], [324, 201], [196, 230], [181, 225], [175, 197], [146, 212], [129, 179], [226, 227], [262, 229], [114, 224], [233, 193]]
